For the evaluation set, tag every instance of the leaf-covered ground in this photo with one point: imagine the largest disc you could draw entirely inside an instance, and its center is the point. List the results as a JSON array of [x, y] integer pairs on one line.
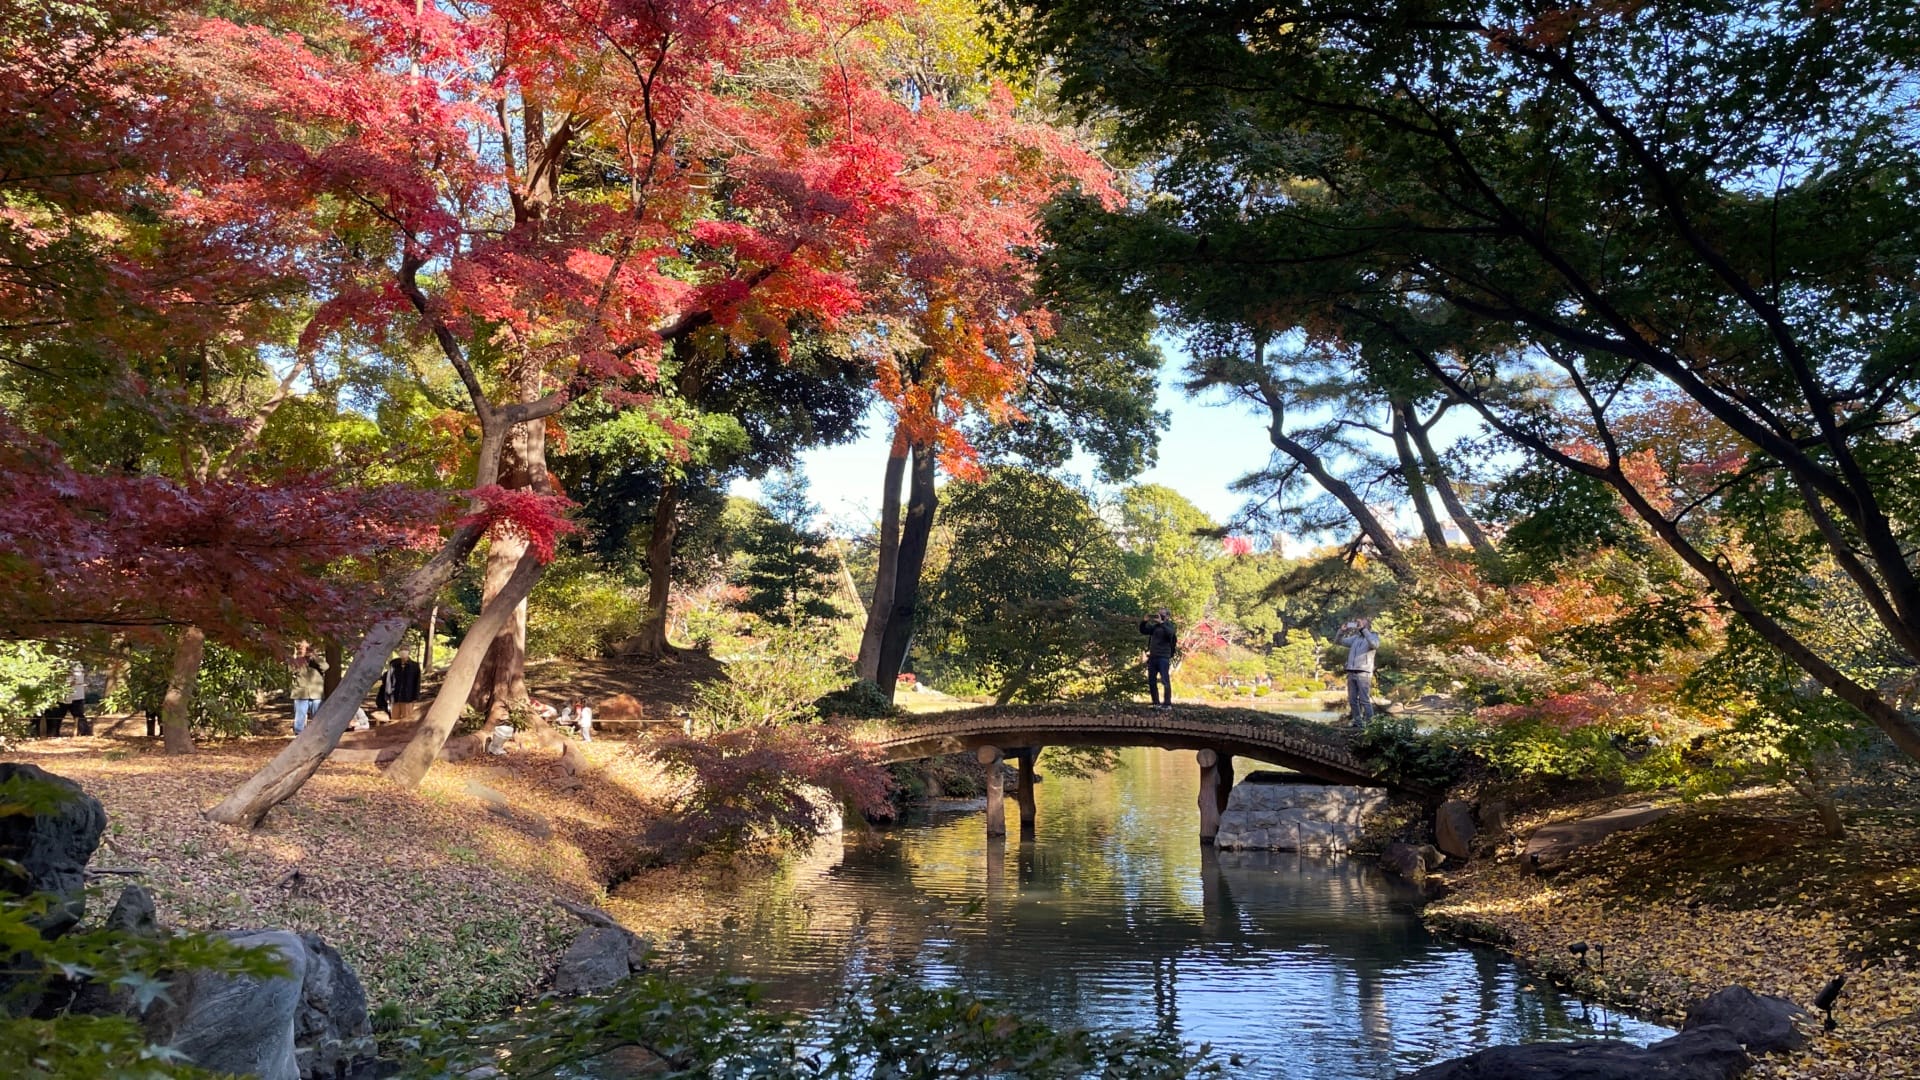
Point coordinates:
[[441, 898], [1742, 889]]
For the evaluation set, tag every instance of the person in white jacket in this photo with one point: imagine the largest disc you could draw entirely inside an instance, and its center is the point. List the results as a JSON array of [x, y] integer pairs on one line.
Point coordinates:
[[1361, 642]]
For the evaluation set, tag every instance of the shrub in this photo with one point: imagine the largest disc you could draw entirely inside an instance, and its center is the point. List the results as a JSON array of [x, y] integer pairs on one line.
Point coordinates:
[[225, 696], [763, 787], [860, 699], [779, 683], [580, 611], [1398, 749]]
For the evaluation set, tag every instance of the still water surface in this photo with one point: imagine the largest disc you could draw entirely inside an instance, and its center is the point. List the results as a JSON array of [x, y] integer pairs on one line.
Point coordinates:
[[1114, 916]]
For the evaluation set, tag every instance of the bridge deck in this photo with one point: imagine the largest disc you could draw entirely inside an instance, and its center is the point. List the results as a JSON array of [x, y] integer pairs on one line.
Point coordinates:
[[1316, 749]]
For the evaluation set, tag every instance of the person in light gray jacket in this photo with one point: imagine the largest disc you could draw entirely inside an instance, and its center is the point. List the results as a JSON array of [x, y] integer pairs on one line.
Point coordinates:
[[1361, 642]]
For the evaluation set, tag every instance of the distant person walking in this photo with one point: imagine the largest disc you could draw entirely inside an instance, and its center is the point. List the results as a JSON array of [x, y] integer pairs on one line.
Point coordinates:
[[77, 700], [402, 685], [309, 684], [1361, 642], [1161, 643]]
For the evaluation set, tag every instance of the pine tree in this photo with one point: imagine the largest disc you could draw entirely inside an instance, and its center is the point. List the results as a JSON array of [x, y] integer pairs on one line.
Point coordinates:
[[788, 574]]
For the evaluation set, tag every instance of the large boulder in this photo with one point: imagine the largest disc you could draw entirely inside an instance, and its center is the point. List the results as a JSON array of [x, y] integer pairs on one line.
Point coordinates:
[[47, 851], [1762, 1023], [1706, 1054], [597, 960], [241, 1024], [1317, 819], [1548, 848], [1453, 829], [332, 1033], [1412, 862]]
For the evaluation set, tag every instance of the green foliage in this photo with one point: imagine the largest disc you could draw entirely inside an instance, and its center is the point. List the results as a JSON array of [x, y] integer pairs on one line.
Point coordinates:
[[778, 683], [1168, 550], [1034, 602], [74, 1046], [32, 678], [858, 700], [225, 695], [788, 572], [578, 610], [1399, 750], [890, 1027]]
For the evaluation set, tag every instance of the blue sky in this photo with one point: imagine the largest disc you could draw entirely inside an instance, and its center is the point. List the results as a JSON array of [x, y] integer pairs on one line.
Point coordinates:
[[1207, 445]]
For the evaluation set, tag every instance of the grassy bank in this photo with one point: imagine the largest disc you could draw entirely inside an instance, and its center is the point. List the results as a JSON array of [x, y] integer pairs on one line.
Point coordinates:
[[441, 898], [1741, 889]]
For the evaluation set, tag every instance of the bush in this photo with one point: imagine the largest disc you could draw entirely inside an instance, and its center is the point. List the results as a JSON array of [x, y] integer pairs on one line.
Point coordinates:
[[1399, 750], [580, 611], [860, 699], [31, 680], [225, 696], [779, 683], [763, 787]]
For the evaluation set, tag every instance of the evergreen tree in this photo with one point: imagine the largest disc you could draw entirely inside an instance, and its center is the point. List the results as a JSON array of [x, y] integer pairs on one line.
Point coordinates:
[[788, 574]]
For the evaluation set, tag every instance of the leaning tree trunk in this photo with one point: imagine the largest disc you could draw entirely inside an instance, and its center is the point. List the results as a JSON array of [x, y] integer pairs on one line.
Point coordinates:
[[1448, 496], [887, 572], [1416, 484], [176, 709], [421, 751], [1363, 515], [922, 500], [284, 775]]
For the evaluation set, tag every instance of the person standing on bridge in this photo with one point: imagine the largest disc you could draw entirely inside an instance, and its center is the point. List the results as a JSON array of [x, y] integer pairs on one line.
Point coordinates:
[[1361, 642], [1161, 642]]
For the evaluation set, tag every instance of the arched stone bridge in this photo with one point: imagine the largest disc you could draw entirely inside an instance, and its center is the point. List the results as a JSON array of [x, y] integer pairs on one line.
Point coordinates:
[[1315, 750]]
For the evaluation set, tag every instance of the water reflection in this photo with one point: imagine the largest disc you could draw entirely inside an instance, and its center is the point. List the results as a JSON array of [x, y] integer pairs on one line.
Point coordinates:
[[1114, 916]]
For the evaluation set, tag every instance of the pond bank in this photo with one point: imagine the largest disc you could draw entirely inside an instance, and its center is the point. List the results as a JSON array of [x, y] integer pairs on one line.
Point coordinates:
[[1737, 890]]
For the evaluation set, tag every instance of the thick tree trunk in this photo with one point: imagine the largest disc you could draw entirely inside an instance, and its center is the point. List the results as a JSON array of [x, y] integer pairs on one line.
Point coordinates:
[[1416, 484], [284, 775], [887, 572], [433, 627], [653, 635], [421, 751], [1449, 498], [176, 709], [523, 464], [915, 530]]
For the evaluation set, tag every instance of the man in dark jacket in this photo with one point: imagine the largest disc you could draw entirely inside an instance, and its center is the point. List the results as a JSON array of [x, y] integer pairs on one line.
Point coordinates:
[[1161, 642], [402, 685]]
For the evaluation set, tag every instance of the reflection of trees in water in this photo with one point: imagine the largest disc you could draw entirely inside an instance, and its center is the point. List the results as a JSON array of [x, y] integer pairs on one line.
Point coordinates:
[[1116, 915]]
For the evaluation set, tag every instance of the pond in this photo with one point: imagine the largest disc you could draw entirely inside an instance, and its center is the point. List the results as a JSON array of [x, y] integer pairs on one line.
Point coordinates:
[[1115, 916]]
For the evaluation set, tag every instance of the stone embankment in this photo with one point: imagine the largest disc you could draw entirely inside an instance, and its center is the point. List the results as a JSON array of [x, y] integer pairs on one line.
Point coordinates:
[[1269, 811]]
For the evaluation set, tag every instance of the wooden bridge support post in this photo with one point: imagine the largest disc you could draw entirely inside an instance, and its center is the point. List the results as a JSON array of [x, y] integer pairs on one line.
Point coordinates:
[[991, 757], [1026, 756], [1210, 800]]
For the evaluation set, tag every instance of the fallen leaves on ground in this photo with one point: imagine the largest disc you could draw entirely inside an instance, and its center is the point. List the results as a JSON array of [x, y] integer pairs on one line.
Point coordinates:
[[1744, 890]]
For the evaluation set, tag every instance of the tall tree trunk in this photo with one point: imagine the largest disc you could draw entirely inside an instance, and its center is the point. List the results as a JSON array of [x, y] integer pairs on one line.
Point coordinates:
[[282, 777], [426, 655], [1416, 485], [176, 709], [1448, 496], [503, 675], [887, 572], [922, 500], [1363, 515], [336, 661], [653, 634], [451, 701]]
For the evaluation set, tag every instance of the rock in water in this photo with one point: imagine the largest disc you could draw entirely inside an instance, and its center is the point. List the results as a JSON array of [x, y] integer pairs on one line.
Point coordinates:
[[597, 960], [1404, 860], [1762, 1023], [1706, 1054], [332, 1032], [238, 1024], [50, 848], [1317, 819], [1453, 829]]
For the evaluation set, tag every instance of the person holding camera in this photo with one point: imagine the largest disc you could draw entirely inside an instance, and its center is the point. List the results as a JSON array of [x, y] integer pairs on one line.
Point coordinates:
[[1161, 642], [1361, 642], [309, 684]]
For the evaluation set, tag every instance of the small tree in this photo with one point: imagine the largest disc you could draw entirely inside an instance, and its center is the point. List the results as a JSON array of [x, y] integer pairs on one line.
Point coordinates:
[[789, 572]]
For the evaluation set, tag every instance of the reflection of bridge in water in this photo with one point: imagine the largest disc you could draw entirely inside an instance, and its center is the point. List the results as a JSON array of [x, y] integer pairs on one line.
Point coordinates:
[[1315, 751]]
